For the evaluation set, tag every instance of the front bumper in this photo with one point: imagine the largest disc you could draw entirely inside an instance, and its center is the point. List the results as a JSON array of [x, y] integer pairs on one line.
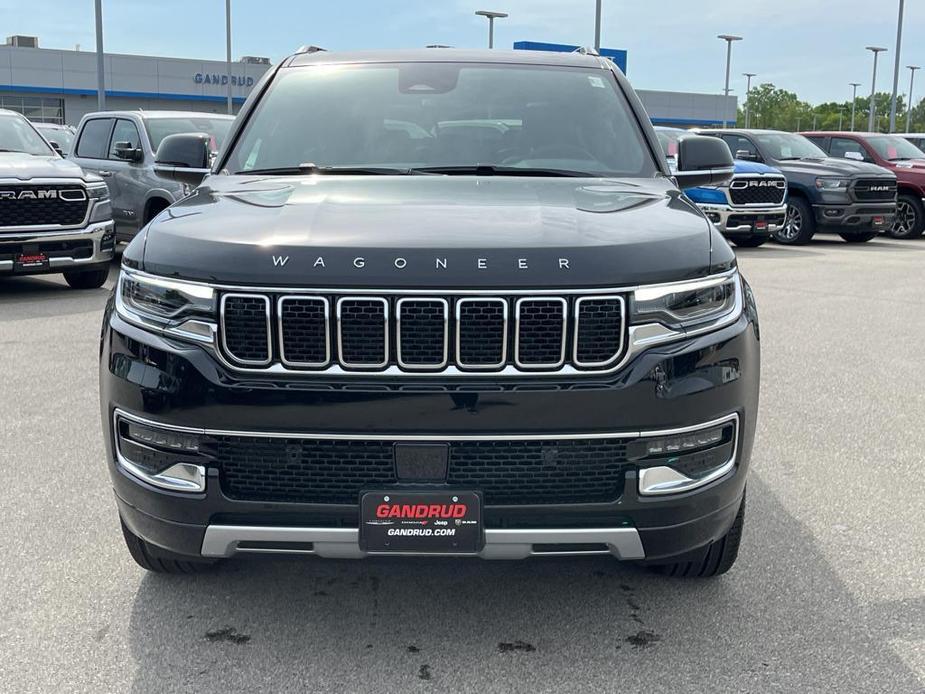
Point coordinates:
[[858, 216], [746, 221], [672, 386], [94, 245]]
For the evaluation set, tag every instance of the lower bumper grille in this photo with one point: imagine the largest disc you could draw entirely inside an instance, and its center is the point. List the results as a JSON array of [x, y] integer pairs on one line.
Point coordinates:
[[508, 472]]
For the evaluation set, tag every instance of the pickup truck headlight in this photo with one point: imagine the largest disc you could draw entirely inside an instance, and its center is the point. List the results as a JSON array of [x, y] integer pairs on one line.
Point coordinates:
[[832, 184], [183, 309], [99, 198], [686, 305]]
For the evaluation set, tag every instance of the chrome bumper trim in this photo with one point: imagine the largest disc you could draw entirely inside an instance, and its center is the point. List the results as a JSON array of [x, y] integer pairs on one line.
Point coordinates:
[[343, 543], [726, 211], [94, 232]]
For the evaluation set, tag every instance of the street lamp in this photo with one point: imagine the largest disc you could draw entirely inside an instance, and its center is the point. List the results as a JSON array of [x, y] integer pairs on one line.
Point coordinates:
[[899, 41], [876, 50], [912, 69], [854, 99], [748, 90], [597, 27], [492, 16], [100, 74], [728, 38], [228, 52]]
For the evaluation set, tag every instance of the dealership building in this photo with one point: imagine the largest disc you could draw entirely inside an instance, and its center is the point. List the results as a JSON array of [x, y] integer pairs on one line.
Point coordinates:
[[59, 86]]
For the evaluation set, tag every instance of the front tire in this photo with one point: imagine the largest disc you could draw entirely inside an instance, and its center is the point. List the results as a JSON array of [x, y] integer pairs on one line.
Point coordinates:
[[86, 279], [151, 558], [859, 238], [909, 222], [713, 560], [799, 226], [751, 241]]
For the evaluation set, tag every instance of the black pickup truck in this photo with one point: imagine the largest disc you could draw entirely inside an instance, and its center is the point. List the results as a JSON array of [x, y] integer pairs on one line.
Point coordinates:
[[426, 303], [854, 199]]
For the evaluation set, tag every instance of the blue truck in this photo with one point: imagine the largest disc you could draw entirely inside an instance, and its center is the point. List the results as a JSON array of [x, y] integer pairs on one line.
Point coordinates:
[[748, 210]]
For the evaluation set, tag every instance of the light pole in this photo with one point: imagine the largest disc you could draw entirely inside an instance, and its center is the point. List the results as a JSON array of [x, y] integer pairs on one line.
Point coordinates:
[[899, 41], [492, 16], [841, 114], [876, 50], [728, 38], [597, 27], [228, 52], [100, 70], [748, 91], [912, 69], [854, 99]]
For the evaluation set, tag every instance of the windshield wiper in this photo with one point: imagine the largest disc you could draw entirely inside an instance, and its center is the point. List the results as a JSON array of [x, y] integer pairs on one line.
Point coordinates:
[[309, 168], [493, 170]]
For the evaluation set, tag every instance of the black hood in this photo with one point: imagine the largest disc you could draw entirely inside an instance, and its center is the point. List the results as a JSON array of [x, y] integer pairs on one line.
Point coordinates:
[[833, 166], [430, 231]]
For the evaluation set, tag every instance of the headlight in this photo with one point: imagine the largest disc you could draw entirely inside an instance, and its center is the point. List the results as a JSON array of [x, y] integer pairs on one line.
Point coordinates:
[[180, 308], [99, 198], [689, 304], [832, 183]]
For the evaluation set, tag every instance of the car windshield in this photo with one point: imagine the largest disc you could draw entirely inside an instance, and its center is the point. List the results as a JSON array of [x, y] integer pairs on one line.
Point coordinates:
[[444, 115], [788, 146], [17, 135], [62, 136], [159, 128], [895, 148]]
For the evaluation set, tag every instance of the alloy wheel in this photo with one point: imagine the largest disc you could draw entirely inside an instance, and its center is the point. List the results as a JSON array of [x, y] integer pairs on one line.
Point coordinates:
[[792, 226], [905, 220]]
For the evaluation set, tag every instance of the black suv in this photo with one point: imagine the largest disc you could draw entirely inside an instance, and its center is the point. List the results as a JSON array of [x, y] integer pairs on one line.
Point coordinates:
[[855, 199], [433, 302]]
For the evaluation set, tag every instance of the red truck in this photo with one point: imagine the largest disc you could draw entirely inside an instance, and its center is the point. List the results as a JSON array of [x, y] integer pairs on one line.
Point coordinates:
[[894, 153]]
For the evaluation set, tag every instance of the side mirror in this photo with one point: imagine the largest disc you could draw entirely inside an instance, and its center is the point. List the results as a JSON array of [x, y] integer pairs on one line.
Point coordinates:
[[746, 155], [55, 146], [127, 151], [703, 161], [185, 157], [857, 156]]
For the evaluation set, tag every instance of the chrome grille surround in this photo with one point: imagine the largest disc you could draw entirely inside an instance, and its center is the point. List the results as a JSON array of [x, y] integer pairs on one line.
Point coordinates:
[[487, 301], [224, 332], [281, 324], [342, 344], [399, 305], [518, 330], [577, 327]]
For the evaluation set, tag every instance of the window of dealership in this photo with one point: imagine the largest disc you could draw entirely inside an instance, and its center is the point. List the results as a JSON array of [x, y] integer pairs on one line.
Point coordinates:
[[36, 108]]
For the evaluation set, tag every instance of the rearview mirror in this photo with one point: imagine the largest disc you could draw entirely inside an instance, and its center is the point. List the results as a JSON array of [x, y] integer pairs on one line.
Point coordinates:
[[703, 161], [185, 157], [127, 151]]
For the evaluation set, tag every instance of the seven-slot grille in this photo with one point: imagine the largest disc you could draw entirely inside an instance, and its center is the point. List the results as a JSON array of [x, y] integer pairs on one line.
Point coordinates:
[[336, 471], [45, 205], [471, 334], [869, 189], [757, 190]]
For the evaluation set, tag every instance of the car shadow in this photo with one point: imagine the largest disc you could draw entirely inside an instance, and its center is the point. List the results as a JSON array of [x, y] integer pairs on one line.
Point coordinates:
[[47, 296], [779, 620]]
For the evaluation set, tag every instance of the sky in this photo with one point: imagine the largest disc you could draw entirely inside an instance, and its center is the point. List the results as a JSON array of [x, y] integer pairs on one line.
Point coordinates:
[[812, 47]]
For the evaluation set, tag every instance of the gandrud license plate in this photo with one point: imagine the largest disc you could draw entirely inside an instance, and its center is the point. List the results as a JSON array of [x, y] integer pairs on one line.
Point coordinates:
[[429, 522]]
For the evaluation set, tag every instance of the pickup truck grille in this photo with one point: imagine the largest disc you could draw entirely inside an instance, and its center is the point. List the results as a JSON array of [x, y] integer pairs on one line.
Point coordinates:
[[42, 205], [468, 334], [336, 471], [870, 189], [757, 190]]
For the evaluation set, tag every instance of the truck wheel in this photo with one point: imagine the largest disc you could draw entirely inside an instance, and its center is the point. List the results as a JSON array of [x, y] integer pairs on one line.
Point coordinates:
[[751, 241], [859, 238], [799, 226], [86, 279], [910, 218], [157, 560], [714, 559]]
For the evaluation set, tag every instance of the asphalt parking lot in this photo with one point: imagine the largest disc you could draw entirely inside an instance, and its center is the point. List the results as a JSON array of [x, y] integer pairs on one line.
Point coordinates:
[[828, 593]]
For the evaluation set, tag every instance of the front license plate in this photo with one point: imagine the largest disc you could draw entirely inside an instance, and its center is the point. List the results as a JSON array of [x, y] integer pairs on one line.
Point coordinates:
[[431, 522], [31, 261], [761, 225], [878, 221]]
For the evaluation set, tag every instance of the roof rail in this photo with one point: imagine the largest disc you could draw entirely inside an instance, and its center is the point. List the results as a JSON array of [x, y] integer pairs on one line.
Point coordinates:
[[586, 50], [310, 49]]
